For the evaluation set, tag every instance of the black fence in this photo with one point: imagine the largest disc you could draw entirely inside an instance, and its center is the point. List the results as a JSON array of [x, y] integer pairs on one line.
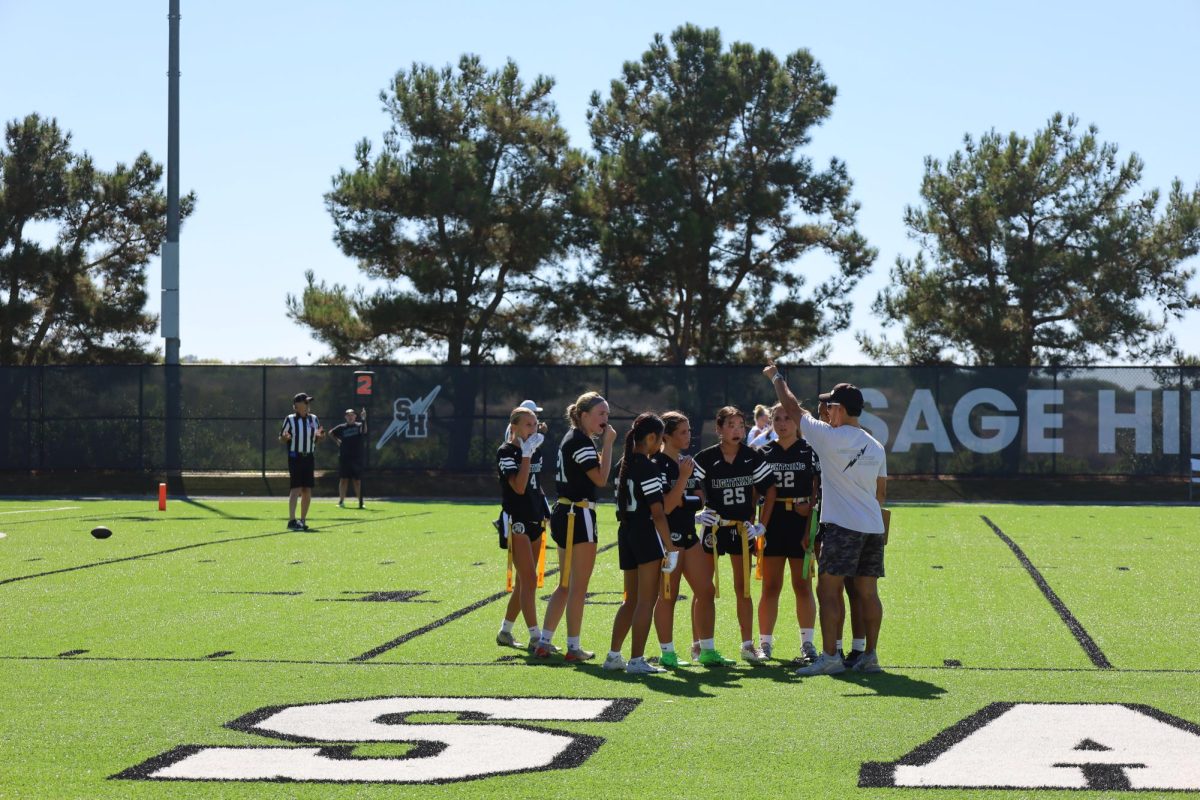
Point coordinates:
[[933, 420]]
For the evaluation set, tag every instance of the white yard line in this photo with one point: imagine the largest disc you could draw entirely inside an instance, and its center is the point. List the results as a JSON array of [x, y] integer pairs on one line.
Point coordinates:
[[40, 510]]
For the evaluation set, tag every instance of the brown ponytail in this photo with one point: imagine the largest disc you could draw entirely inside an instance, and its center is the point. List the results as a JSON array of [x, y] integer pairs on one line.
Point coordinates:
[[586, 402]]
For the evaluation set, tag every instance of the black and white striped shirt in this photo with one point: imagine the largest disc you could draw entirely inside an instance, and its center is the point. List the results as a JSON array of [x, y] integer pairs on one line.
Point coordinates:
[[303, 431]]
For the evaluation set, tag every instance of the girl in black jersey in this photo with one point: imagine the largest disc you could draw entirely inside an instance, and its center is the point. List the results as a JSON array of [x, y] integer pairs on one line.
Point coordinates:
[[519, 464], [643, 541], [681, 501], [785, 513], [733, 476], [580, 470]]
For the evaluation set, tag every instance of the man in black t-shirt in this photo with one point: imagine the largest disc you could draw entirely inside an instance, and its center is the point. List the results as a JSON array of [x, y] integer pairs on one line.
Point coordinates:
[[351, 438]]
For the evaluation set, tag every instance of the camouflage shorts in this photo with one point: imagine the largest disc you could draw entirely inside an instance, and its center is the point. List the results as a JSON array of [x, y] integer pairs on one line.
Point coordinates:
[[850, 553]]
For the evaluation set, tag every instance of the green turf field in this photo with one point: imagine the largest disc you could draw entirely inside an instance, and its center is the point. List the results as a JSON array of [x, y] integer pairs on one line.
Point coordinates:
[[165, 646]]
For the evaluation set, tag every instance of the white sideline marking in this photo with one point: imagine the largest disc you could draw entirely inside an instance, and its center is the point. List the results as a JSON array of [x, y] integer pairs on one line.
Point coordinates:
[[41, 510]]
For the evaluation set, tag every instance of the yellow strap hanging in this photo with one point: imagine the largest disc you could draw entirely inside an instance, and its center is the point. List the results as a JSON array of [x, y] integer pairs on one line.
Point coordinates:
[[666, 586], [809, 567], [741, 529], [760, 544], [565, 580], [508, 583], [541, 567], [716, 562]]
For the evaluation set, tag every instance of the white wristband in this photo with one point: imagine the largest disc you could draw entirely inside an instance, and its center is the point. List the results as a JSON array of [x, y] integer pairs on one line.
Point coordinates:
[[778, 376]]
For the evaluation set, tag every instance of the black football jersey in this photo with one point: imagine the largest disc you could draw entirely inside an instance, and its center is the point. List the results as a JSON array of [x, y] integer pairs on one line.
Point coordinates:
[[641, 488], [728, 487], [576, 456], [682, 519], [795, 468], [528, 507]]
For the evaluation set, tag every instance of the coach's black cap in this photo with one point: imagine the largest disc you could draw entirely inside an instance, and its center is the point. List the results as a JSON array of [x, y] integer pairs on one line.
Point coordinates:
[[301, 397], [846, 395]]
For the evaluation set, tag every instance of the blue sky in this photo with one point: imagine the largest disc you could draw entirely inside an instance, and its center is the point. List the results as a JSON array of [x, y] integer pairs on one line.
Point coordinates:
[[274, 96]]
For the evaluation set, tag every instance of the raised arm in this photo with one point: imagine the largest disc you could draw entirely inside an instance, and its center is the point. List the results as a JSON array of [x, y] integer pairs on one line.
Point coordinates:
[[788, 400]]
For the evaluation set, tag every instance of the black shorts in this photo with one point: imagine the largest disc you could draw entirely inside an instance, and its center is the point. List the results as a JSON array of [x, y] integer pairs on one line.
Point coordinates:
[[585, 525], [350, 468], [851, 554], [638, 545], [685, 538], [785, 534], [532, 529], [300, 470], [729, 541]]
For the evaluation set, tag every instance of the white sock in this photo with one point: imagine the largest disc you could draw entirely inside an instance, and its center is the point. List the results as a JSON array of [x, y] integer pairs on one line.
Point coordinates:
[[667, 647], [696, 645], [614, 654], [534, 633], [573, 643], [547, 635], [506, 626], [859, 645], [837, 648], [768, 638], [806, 635], [708, 644], [747, 643]]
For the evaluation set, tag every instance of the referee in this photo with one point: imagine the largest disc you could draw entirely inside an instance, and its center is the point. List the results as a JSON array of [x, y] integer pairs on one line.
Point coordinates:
[[301, 431]]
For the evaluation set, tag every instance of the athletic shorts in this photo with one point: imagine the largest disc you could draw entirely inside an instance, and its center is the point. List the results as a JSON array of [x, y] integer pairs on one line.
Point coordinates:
[[638, 545], [350, 468], [300, 471], [684, 539], [585, 525], [785, 534], [729, 542], [850, 553], [532, 529]]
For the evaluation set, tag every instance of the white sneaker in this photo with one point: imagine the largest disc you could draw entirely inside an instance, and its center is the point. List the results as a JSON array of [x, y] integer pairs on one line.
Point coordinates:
[[867, 662], [614, 662], [768, 649], [752, 655], [824, 665], [639, 666]]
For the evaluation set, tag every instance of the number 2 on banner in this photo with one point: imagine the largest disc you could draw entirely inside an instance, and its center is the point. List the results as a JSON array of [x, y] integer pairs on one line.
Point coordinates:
[[474, 747], [365, 385]]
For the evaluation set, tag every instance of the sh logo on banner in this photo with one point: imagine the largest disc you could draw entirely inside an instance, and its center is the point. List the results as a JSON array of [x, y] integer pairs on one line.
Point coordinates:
[[410, 418]]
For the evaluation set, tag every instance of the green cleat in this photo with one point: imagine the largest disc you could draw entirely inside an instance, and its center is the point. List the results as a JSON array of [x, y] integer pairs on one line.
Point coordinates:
[[672, 660], [713, 658]]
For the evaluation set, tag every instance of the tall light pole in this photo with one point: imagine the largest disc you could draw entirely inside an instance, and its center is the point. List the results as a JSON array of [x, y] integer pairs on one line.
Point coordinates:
[[170, 251]]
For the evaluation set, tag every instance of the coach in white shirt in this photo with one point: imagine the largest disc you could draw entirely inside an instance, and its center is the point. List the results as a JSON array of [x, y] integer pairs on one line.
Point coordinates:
[[853, 489]]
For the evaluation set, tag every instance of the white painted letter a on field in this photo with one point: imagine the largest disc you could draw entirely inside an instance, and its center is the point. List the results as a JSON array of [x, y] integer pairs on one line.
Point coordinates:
[[1093, 746]]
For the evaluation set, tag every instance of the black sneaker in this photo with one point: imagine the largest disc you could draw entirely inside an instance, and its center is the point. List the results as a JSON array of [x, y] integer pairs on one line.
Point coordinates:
[[293, 525], [360, 505], [852, 658], [304, 526]]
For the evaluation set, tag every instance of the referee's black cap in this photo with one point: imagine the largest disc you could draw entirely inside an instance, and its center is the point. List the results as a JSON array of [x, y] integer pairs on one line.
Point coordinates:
[[302, 397], [846, 395]]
